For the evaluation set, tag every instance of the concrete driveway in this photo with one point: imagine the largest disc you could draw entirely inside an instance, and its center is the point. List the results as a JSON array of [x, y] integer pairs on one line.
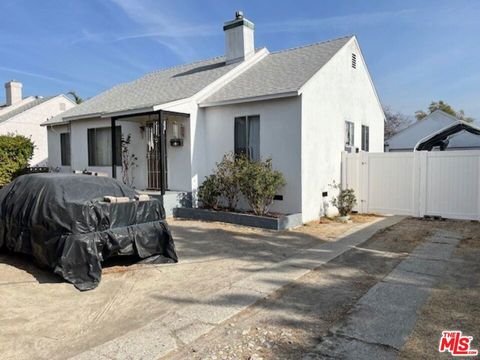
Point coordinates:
[[42, 317]]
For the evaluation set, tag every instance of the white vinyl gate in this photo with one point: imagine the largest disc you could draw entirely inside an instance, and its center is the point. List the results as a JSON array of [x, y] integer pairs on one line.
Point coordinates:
[[434, 183]]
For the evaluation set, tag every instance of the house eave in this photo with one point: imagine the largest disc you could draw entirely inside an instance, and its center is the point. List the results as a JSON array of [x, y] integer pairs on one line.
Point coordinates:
[[250, 99], [55, 123], [104, 115], [138, 111], [83, 116]]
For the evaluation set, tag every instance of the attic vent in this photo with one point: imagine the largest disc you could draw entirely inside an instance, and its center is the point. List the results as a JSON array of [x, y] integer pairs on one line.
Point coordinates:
[[354, 61]]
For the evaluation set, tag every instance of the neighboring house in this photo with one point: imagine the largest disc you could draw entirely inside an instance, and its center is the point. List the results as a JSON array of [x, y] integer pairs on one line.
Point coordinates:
[[24, 116], [408, 138], [301, 106]]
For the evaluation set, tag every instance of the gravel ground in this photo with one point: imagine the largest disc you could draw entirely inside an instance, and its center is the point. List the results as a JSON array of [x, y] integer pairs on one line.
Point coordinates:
[[293, 320]]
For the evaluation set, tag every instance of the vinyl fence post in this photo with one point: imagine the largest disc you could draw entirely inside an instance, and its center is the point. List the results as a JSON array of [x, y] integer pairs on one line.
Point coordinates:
[[422, 194], [344, 170], [416, 183], [364, 181]]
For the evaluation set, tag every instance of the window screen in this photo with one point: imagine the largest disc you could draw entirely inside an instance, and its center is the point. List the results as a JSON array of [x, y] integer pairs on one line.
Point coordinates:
[[65, 149], [100, 146]]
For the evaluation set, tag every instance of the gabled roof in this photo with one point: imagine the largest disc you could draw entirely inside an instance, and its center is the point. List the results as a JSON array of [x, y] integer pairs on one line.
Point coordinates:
[[433, 124], [21, 109], [275, 74], [155, 88], [408, 137], [281, 72]]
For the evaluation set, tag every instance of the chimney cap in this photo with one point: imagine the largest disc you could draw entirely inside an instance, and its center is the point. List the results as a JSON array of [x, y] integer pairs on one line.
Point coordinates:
[[13, 81], [239, 20]]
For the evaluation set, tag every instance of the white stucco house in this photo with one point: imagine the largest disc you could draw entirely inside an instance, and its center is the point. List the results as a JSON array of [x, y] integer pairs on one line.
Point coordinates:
[[24, 116], [300, 106], [438, 121]]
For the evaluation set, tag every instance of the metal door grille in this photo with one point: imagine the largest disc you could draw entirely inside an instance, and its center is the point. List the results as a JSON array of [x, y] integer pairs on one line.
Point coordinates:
[[155, 133]]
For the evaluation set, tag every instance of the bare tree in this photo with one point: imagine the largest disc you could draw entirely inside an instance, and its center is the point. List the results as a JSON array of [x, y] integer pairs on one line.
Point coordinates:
[[129, 161], [394, 122]]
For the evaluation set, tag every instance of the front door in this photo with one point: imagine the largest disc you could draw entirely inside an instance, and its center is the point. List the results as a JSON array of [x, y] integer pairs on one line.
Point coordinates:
[[156, 154]]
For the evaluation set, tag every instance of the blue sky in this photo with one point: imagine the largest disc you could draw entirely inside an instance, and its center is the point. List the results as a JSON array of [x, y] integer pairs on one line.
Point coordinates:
[[417, 51]]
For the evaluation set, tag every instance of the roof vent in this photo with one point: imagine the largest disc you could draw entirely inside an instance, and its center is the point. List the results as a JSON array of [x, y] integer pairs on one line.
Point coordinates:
[[354, 61]]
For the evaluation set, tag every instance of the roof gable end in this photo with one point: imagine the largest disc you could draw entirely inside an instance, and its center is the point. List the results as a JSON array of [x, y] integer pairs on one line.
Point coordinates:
[[281, 73]]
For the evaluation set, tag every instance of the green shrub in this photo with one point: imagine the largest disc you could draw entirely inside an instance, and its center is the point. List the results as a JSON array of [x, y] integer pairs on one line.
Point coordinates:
[[259, 183], [15, 153], [255, 180], [208, 192], [344, 201], [228, 176]]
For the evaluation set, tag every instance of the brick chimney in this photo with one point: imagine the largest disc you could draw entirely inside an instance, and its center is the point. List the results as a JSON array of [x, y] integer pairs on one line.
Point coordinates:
[[13, 92], [239, 38]]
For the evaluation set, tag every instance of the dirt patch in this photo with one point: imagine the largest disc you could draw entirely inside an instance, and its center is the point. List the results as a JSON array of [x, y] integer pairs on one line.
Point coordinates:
[[401, 238], [331, 229], [454, 305]]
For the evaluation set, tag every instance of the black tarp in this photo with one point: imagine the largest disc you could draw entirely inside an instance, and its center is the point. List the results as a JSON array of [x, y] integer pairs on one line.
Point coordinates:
[[63, 222]]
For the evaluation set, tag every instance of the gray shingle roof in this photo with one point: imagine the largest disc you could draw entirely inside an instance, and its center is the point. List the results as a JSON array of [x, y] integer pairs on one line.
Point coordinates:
[[155, 88], [23, 108], [280, 72]]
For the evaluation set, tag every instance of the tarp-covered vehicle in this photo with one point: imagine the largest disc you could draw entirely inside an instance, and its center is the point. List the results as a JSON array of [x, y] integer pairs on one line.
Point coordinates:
[[71, 223]]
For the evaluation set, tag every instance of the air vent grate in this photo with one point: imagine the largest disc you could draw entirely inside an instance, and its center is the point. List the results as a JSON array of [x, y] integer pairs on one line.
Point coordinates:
[[354, 61]]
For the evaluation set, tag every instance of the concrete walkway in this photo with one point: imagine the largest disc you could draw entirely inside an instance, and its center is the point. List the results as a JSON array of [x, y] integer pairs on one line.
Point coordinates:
[[181, 327], [381, 321]]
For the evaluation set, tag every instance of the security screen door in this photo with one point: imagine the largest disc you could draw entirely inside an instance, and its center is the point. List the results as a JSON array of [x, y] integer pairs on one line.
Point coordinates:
[[155, 131]]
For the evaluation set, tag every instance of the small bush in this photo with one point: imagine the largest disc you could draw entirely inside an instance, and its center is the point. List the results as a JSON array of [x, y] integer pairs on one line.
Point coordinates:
[[255, 180], [228, 176], [15, 153], [208, 192], [344, 201], [259, 183]]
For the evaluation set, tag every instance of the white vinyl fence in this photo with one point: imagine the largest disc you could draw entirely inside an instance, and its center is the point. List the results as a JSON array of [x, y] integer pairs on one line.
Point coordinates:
[[432, 183]]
